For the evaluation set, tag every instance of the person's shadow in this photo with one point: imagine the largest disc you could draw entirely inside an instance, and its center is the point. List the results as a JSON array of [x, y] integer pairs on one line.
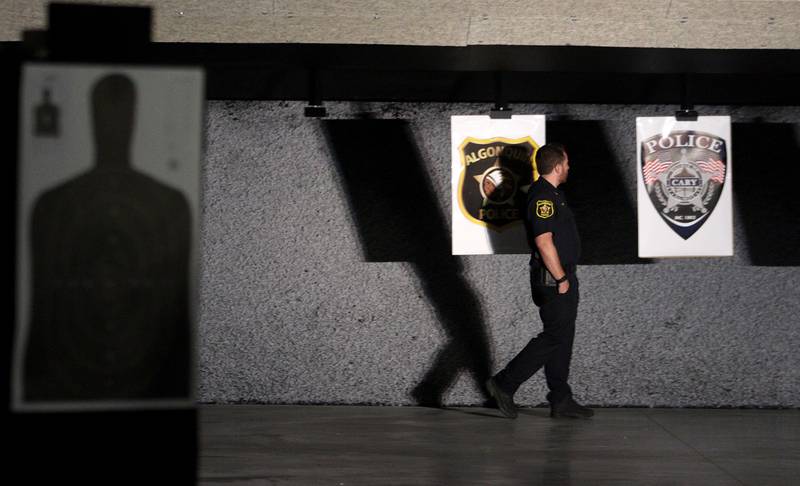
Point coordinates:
[[110, 255], [596, 193], [764, 174], [398, 218]]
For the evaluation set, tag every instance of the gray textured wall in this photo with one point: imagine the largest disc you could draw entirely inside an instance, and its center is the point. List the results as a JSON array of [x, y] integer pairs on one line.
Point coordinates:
[[709, 24], [296, 308]]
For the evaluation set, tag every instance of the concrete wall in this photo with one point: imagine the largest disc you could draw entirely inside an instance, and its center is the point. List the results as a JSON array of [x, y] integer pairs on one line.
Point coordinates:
[[327, 276], [722, 24]]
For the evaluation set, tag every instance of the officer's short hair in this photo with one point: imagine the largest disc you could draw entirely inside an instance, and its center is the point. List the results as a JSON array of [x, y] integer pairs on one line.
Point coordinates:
[[548, 156]]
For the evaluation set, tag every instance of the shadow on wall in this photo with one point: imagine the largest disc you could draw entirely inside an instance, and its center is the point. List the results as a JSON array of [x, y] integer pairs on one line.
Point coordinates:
[[523, 170], [766, 168], [597, 194], [398, 218]]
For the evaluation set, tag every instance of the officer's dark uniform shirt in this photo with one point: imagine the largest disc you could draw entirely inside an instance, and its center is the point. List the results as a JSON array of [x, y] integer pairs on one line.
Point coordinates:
[[547, 211]]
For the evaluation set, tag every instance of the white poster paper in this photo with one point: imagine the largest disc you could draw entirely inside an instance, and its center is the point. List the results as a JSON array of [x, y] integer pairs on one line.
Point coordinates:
[[684, 187], [107, 233], [492, 168]]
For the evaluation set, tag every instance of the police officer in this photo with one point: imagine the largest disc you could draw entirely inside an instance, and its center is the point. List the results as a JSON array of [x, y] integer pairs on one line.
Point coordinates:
[[555, 249]]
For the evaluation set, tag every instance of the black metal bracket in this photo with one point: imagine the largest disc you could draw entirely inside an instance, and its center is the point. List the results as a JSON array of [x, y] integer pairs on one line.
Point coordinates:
[[501, 109], [314, 109], [687, 111]]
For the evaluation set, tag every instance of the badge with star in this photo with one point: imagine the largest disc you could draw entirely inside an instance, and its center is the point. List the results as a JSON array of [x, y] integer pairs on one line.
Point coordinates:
[[544, 208], [684, 173]]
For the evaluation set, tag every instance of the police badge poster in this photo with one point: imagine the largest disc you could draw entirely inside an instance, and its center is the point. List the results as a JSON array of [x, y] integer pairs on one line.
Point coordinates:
[[492, 169], [684, 187], [107, 237]]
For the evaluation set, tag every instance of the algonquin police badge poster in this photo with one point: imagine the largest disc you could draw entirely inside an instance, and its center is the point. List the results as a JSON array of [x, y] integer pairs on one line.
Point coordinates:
[[492, 170], [684, 187], [107, 232]]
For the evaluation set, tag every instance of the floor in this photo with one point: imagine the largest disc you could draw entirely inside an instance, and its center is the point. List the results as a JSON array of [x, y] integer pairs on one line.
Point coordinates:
[[374, 445]]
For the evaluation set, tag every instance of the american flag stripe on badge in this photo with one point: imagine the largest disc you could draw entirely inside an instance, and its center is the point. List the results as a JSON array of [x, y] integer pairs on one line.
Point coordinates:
[[653, 168], [714, 167]]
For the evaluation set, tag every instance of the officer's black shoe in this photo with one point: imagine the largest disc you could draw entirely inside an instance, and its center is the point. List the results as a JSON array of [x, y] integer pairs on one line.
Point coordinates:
[[505, 402], [568, 407]]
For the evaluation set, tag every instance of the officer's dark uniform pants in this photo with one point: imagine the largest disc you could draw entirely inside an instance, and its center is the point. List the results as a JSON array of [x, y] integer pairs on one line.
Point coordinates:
[[552, 348]]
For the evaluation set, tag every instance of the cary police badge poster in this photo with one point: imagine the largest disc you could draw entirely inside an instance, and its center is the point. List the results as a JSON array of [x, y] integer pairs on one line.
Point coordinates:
[[684, 187], [107, 237], [492, 169]]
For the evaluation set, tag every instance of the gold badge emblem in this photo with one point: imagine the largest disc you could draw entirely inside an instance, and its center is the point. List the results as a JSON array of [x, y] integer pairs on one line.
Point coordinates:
[[494, 182], [544, 208]]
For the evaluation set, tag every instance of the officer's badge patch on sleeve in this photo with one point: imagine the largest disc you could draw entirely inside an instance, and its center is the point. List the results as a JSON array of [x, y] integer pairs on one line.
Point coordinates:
[[544, 208]]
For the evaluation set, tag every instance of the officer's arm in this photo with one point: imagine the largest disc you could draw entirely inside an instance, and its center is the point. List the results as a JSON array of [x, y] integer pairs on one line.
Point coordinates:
[[547, 249]]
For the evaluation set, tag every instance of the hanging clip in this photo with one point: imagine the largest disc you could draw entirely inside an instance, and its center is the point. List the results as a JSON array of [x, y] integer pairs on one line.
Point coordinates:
[[501, 109], [687, 111], [314, 109]]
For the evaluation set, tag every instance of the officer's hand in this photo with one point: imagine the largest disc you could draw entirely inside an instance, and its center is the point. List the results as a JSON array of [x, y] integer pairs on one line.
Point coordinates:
[[563, 287]]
